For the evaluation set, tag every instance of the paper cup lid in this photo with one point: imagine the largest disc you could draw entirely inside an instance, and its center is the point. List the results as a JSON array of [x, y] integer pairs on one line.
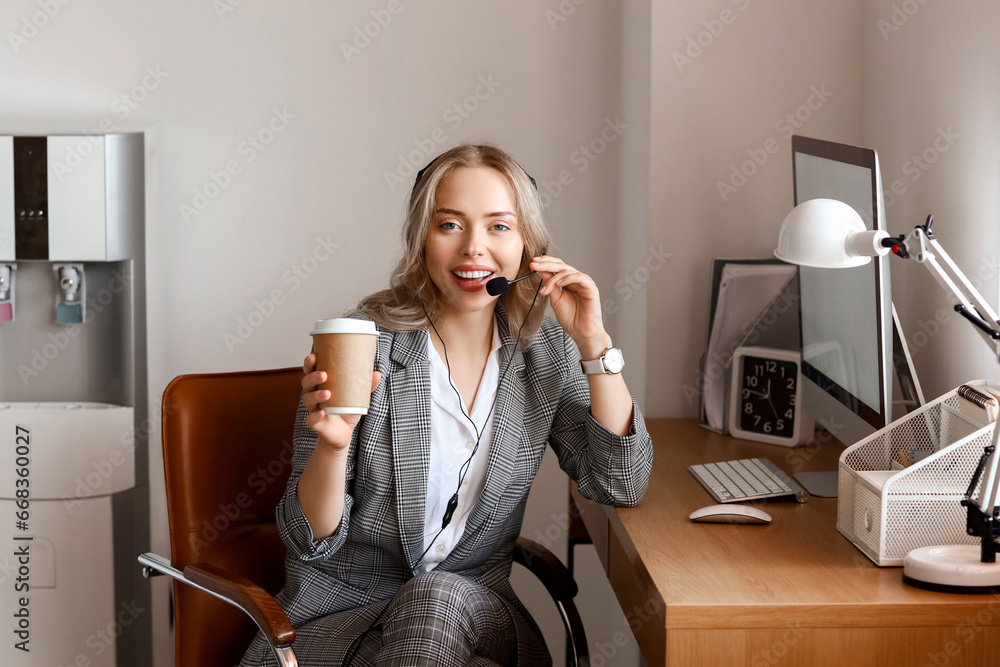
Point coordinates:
[[344, 325]]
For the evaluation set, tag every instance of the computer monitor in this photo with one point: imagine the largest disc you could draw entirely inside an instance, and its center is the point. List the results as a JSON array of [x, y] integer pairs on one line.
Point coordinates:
[[846, 314]]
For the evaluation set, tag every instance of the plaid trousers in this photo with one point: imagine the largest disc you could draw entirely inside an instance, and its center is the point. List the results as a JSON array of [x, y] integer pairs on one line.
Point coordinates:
[[436, 618]]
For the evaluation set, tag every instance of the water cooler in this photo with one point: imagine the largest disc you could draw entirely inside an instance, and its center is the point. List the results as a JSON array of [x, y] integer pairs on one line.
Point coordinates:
[[74, 507]]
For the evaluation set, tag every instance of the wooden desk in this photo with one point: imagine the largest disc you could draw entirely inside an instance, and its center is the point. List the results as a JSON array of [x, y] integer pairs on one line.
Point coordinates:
[[795, 592]]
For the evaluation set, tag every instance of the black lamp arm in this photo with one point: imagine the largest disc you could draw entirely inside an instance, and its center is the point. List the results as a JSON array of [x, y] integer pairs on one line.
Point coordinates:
[[974, 317], [989, 449], [977, 523]]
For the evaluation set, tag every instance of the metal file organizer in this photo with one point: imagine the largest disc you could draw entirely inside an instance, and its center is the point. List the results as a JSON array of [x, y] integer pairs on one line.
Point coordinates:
[[886, 509]]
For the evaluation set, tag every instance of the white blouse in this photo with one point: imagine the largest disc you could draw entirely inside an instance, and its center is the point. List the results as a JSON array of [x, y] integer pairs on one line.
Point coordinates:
[[452, 441]]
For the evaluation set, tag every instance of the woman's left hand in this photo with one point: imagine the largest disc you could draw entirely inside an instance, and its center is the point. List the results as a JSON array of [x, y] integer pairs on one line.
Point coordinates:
[[576, 303]]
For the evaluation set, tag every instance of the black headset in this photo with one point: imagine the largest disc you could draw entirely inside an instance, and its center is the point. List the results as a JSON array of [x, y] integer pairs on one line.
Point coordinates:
[[420, 175]]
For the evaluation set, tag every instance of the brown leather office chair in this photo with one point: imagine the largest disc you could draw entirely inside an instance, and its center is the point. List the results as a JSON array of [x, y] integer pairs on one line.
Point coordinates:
[[227, 457]]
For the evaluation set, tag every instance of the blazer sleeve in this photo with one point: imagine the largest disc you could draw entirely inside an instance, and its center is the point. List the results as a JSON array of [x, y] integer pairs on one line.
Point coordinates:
[[293, 526], [608, 468]]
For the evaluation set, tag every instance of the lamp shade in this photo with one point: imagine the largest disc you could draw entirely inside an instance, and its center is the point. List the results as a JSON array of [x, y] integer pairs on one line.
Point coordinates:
[[827, 234]]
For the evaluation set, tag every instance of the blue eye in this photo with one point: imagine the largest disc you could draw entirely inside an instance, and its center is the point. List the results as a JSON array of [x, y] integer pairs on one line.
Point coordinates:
[[448, 225], [500, 226]]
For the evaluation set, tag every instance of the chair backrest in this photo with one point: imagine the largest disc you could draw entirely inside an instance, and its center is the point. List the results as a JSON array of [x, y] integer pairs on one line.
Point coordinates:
[[227, 456]]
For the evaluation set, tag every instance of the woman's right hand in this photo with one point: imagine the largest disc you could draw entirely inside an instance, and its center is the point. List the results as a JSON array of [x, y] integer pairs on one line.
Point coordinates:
[[334, 431]]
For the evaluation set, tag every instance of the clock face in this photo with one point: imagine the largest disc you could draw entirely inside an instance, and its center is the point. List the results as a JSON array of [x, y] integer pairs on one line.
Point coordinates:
[[767, 396]]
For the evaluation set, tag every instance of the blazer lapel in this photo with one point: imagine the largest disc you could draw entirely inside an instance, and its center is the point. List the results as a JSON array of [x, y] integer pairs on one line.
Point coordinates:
[[410, 419]]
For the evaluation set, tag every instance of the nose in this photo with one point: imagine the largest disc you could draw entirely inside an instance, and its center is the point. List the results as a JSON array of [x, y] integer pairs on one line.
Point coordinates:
[[473, 241]]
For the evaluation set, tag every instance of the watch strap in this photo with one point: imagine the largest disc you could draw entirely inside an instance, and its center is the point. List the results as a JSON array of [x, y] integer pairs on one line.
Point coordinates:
[[594, 366]]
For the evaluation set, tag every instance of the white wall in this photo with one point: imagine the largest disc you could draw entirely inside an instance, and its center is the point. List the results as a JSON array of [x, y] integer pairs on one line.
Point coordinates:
[[903, 75], [725, 74], [204, 77], [931, 98]]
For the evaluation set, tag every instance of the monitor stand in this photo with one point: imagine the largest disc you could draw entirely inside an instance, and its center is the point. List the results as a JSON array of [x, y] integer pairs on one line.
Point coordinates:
[[823, 484]]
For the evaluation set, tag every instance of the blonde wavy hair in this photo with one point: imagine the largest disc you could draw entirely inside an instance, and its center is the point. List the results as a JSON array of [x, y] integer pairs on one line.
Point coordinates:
[[402, 306]]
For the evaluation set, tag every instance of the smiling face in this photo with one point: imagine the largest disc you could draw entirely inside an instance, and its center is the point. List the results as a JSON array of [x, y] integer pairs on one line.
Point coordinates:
[[474, 236]]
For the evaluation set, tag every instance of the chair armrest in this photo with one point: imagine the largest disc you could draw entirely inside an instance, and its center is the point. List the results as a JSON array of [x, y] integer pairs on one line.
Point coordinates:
[[549, 569], [237, 591], [249, 597]]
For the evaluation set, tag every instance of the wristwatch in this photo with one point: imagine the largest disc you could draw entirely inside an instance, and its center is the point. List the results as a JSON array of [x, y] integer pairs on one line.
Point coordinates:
[[611, 362]]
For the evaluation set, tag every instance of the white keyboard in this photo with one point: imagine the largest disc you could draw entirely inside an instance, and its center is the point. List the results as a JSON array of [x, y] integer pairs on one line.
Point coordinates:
[[747, 479]]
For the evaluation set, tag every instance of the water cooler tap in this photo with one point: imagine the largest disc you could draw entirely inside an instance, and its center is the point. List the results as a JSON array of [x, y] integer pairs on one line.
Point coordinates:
[[71, 303], [7, 292]]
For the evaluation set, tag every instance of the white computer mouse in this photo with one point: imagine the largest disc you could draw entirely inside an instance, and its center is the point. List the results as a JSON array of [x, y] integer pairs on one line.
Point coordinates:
[[730, 513]]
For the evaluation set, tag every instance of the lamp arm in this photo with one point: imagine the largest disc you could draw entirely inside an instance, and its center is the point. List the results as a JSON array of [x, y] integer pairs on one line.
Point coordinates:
[[921, 245], [925, 249], [980, 303], [987, 500]]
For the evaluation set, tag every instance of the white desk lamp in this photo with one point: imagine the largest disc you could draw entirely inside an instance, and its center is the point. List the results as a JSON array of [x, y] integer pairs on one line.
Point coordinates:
[[825, 233]]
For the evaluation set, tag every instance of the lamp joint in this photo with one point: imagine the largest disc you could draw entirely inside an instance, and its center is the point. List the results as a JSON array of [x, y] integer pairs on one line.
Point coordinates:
[[926, 227]]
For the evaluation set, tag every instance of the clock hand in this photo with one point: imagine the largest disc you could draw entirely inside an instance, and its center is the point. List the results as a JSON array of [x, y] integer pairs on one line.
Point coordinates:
[[769, 401]]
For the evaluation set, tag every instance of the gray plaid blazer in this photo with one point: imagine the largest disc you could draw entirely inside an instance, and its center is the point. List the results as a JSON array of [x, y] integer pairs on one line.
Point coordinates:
[[543, 398]]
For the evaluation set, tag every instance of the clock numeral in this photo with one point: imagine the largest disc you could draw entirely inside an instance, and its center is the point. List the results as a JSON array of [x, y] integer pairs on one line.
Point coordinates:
[[781, 425], [789, 414], [766, 367], [746, 394], [748, 408], [767, 427], [752, 380], [791, 383]]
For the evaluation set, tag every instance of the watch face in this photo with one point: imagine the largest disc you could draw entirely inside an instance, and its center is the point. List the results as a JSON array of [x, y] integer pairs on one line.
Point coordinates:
[[767, 396], [614, 362]]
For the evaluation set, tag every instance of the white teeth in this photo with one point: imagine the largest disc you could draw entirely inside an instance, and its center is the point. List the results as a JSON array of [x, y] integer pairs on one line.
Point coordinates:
[[473, 274]]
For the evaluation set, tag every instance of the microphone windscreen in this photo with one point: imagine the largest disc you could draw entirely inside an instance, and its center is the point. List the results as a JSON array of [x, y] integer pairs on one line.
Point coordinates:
[[497, 286]]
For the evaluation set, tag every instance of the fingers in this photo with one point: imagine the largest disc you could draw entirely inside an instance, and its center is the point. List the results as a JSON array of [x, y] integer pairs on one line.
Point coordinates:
[[569, 278], [314, 396], [312, 399], [315, 417], [547, 263], [312, 380], [557, 274]]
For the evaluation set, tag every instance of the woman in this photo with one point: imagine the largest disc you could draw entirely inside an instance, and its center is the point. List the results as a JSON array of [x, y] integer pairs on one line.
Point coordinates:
[[400, 526]]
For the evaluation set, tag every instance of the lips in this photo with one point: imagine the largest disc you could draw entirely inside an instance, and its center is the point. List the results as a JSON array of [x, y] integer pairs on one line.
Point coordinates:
[[472, 278]]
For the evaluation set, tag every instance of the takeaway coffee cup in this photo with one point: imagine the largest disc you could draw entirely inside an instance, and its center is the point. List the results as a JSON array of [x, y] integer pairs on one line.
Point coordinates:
[[345, 349]]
